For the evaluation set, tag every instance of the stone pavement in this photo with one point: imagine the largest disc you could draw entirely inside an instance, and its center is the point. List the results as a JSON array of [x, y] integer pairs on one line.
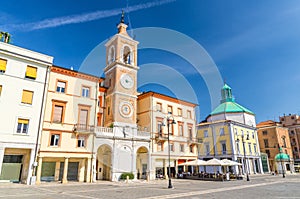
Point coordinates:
[[260, 186]]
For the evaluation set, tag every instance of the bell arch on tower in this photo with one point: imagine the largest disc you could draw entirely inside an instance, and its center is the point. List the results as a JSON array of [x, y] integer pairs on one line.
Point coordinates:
[[127, 55], [111, 54]]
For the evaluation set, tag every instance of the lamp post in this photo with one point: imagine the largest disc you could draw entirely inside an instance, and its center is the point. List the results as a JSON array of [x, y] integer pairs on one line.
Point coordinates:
[[170, 121], [245, 163]]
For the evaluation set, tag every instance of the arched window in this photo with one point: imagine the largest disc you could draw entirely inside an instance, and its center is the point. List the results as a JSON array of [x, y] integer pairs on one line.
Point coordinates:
[[111, 55], [127, 55]]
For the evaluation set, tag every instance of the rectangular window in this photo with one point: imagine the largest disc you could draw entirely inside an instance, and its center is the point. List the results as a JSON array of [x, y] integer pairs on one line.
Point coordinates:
[[265, 132], [207, 149], [172, 148], [27, 97], [160, 146], [58, 113], [31, 72], [81, 141], [61, 87], [189, 114], [179, 111], [266, 142], [236, 131], [170, 109], [158, 107], [3, 63], [54, 140], [181, 147], [0, 89], [83, 117], [159, 128], [247, 136], [205, 133], [238, 147], [254, 147], [191, 149], [224, 148], [253, 135], [250, 149], [85, 92], [222, 132], [268, 153], [180, 128], [22, 126], [190, 133]]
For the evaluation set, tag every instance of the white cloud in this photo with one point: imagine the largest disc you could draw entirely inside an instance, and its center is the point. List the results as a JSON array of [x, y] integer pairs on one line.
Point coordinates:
[[81, 18]]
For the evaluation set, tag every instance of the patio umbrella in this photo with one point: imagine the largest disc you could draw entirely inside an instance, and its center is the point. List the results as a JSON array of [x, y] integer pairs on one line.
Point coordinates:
[[194, 163], [214, 162], [230, 162]]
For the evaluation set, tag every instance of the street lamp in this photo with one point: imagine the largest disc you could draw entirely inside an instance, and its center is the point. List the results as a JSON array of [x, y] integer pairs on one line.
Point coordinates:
[[245, 163], [170, 121], [281, 161]]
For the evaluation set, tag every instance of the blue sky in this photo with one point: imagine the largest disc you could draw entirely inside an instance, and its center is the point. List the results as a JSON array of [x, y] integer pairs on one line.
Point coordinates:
[[254, 44]]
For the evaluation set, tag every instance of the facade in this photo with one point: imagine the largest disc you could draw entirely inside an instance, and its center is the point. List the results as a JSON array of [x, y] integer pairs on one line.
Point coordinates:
[[120, 145], [230, 132], [273, 137], [23, 84], [66, 150], [153, 110], [292, 122]]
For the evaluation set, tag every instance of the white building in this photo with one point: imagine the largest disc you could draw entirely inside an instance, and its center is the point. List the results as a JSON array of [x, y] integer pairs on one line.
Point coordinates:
[[23, 85]]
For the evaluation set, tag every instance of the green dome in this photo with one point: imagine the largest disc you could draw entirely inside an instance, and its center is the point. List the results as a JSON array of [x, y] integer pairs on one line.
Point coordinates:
[[228, 104], [282, 157], [230, 107]]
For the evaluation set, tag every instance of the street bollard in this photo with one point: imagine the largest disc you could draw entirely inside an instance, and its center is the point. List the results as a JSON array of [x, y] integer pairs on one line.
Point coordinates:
[[127, 179]]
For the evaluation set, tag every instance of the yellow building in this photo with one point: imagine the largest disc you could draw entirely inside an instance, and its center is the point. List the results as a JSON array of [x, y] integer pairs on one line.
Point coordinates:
[[153, 109], [67, 141], [230, 132]]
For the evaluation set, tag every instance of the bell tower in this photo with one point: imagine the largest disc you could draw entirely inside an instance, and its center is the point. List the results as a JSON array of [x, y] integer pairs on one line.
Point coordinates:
[[121, 79]]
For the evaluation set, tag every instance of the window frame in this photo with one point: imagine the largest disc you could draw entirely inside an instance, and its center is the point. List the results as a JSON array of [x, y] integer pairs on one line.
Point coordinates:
[[158, 107], [88, 88], [179, 112], [81, 138], [21, 132], [59, 103], [4, 60], [33, 77], [59, 139], [61, 81], [31, 100]]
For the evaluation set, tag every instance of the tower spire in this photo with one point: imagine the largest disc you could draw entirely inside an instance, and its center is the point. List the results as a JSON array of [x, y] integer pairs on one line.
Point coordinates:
[[122, 26], [122, 17]]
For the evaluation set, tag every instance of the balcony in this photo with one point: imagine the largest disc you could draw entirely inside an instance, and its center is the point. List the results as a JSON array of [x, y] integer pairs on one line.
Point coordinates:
[[121, 133], [194, 141], [83, 128], [161, 137]]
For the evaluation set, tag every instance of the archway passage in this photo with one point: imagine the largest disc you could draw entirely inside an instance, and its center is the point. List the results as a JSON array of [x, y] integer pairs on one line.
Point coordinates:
[[142, 164], [104, 153]]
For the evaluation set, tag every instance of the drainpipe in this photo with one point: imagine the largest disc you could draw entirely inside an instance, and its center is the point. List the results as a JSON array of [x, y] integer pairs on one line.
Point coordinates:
[[40, 119], [94, 133]]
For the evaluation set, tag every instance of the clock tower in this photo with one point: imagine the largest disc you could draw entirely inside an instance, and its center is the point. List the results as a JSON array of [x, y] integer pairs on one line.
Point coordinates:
[[121, 79]]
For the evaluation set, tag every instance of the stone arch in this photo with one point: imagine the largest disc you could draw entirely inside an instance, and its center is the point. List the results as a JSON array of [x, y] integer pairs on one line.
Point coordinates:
[[111, 54], [104, 161], [127, 55], [142, 162]]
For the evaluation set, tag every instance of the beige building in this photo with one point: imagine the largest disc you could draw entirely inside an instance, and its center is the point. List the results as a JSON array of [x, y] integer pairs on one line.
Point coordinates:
[[292, 122], [67, 141], [153, 109], [273, 137]]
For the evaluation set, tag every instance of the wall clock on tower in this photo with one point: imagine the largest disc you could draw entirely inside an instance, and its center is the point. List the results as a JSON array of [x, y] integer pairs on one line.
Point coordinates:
[[126, 109], [126, 81]]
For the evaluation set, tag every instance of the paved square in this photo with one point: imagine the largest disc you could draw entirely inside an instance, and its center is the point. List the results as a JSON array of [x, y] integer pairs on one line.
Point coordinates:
[[260, 186]]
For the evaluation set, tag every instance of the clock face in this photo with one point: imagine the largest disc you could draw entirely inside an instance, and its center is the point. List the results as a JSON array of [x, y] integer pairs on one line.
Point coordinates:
[[127, 81], [126, 109]]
